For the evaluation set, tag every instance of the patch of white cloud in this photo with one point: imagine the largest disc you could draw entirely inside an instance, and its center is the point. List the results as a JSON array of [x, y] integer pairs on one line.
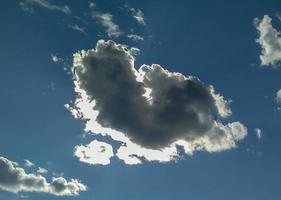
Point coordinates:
[[94, 153], [27, 5], [135, 37], [258, 132], [278, 96], [28, 163], [269, 40], [77, 28], [14, 179], [42, 170], [137, 14]]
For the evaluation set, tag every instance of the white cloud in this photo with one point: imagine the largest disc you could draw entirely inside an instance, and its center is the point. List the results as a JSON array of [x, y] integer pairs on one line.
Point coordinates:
[[14, 179], [56, 59], [178, 110], [135, 37], [94, 153], [77, 28], [278, 96], [27, 5], [270, 41], [106, 20], [42, 170], [28, 163], [258, 132], [137, 15]]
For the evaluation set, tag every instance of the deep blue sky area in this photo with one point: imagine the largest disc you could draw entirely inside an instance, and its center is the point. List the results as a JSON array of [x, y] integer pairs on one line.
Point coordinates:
[[213, 40]]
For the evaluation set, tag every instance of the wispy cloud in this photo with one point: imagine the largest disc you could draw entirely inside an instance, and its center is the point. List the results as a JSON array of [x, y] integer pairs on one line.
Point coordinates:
[[77, 28], [258, 132], [137, 14], [135, 37], [27, 5]]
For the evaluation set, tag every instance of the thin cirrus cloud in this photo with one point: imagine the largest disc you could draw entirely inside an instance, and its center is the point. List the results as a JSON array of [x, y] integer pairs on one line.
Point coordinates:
[[135, 37], [27, 5], [150, 111], [106, 20], [137, 14], [258, 132], [14, 179], [270, 42]]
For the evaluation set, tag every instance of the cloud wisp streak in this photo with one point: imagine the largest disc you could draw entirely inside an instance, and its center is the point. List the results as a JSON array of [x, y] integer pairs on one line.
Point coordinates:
[[27, 5]]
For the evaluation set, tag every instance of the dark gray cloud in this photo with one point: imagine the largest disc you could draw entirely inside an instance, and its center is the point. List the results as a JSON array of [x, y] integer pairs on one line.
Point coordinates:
[[15, 179], [153, 107]]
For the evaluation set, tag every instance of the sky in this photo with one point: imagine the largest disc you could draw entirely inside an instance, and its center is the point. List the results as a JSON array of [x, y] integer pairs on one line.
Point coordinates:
[[140, 100]]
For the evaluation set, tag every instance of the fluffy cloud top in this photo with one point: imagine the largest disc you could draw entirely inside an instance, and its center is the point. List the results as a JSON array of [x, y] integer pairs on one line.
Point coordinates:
[[27, 5], [151, 111], [270, 41], [15, 179]]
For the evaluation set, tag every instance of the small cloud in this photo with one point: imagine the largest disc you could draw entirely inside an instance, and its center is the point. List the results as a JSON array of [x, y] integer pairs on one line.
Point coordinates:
[[14, 179], [42, 170], [278, 96], [270, 42], [77, 28], [28, 163], [106, 20], [27, 5], [258, 132], [135, 37], [56, 59], [137, 15], [94, 153]]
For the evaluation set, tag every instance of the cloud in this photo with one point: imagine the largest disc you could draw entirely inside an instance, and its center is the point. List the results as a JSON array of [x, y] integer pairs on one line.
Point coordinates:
[[56, 59], [106, 20], [270, 41], [258, 133], [137, 15], [15, 179], [94, 153], [27, 5], [77, 28], [278, 96], [28, 163], [135, 37], [42, 170], [151, 111]]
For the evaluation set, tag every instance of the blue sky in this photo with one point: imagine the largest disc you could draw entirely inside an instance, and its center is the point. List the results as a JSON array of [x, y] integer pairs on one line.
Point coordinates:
[[214, 41]]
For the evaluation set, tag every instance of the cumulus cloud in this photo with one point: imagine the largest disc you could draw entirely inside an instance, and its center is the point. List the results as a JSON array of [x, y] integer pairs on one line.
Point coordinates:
[[94, 153], [15, 179], [135, 37], [270, 41], [27, 5], [151, 111], [258, 133]]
